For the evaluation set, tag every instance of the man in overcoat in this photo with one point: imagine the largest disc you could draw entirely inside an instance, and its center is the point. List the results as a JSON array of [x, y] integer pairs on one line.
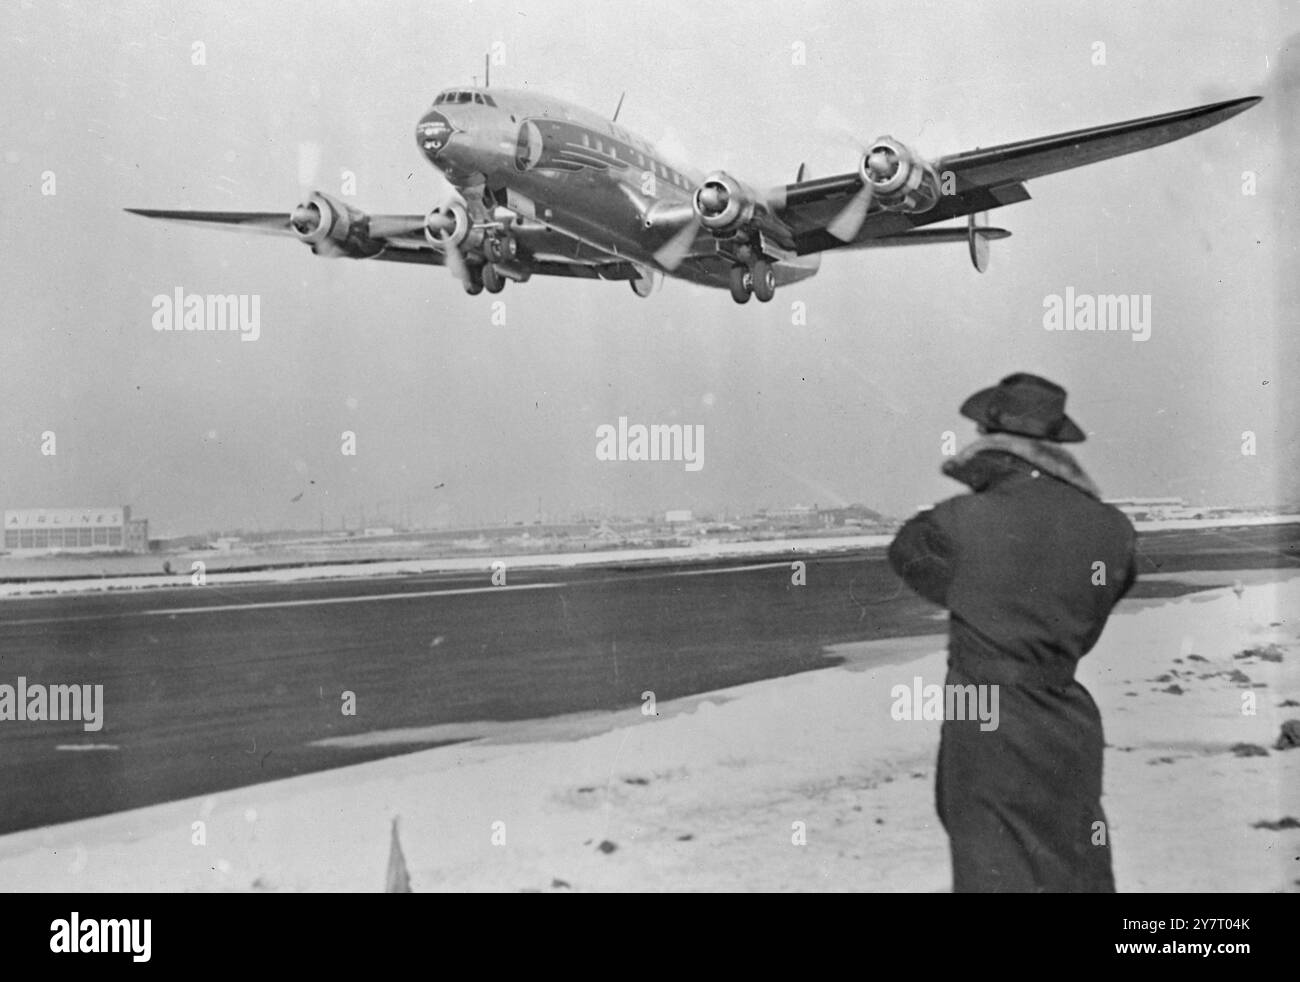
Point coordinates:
[[1029, 566]]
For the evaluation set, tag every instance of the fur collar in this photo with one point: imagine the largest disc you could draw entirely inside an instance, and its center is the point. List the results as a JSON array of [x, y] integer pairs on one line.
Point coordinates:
[[976, 465]]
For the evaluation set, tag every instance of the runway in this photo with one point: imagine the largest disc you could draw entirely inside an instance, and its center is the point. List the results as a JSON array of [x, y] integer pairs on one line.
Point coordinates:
[[210, 687]]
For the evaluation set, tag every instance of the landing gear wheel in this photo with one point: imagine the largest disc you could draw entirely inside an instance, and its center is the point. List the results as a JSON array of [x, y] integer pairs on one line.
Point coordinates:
[[764, 281], [492, 279], [738, 281], [473, 282]]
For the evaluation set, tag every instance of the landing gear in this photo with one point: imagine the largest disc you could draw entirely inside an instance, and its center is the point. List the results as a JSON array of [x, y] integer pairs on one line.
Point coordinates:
[[756, 280], [500, 249], [762, 281], [739, 282], [492, 279], [473, 282]]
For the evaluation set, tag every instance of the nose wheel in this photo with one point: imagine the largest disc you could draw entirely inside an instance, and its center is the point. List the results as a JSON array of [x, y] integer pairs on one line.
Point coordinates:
[[757, 280]]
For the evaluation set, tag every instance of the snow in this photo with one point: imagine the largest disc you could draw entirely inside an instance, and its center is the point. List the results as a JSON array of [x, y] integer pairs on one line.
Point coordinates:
[[710, 793]]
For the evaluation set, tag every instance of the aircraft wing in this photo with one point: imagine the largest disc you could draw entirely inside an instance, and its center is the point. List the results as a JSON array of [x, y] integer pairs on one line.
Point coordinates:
[[983, 179], [543, 251], [258, 222], [536, 263]]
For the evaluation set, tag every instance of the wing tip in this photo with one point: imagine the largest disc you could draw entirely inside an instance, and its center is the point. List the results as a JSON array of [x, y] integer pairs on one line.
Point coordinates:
[[1231, 107]]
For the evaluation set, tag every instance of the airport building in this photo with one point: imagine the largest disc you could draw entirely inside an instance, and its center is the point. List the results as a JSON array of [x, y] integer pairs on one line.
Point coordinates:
[[103, 529], [1151, 509]]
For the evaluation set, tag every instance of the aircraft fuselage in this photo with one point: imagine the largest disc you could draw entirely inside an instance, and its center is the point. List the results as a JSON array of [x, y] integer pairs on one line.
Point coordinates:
[[572, 170]]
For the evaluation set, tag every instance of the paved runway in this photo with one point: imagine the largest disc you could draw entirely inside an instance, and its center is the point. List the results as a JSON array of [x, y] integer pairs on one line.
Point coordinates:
[[213, 687]]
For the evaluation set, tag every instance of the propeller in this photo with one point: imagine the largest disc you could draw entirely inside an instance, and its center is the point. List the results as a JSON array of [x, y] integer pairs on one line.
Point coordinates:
[[713, 197], [440, 226], [307, 216], [437, 228], [881, 162]]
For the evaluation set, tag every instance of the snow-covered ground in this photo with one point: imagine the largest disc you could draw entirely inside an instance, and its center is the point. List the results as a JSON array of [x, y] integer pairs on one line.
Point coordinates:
[[715, 792]]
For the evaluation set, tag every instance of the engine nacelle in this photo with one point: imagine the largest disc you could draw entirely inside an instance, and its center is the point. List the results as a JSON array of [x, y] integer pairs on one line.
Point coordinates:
[[333, 228], [899, 179], [721, 204]]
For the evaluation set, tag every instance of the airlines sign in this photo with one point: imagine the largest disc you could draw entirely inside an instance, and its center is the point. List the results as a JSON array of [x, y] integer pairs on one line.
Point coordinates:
[[64, 518]]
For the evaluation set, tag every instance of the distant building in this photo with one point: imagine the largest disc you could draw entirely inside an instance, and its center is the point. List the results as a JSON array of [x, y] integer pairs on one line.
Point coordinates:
[[102, 529], [793, 515], [852, 516], [678, 516], [1151, 509]]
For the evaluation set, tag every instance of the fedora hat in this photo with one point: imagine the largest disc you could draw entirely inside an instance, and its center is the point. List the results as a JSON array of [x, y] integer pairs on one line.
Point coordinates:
[[1026, 405]]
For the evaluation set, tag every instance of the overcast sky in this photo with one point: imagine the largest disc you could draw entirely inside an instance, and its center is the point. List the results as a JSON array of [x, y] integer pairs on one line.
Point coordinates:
[[201, 432]]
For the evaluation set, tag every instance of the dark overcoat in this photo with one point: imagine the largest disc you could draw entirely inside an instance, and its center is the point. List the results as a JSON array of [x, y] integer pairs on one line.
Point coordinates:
[[1029, 567]]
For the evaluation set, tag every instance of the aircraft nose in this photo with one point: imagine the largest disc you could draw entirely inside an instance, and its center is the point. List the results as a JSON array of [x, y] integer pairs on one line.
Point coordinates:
[[435, 130]]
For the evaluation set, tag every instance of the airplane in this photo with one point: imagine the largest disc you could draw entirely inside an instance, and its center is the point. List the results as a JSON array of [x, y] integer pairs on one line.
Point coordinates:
[[543, 187]]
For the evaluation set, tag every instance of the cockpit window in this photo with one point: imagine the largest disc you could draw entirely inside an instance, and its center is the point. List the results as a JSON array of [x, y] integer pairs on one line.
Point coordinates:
[[479, 98]]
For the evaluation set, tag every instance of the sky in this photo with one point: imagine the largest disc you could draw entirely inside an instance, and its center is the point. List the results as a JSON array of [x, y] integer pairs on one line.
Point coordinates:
[[460, 420]]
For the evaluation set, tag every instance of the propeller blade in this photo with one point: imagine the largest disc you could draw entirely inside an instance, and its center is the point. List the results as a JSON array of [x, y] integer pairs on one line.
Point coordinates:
[[456, 263], [308, 163], [328, 249], [674, 252], [848, 223], [774, 198], [834, 126]]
